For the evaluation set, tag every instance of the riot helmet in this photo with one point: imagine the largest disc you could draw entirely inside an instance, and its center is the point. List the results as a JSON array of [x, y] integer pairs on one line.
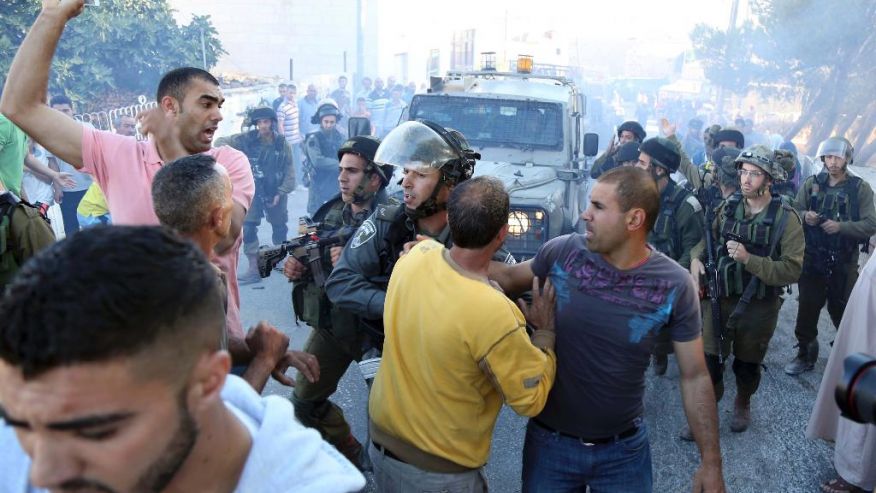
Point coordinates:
[[261, 113], [327, 107], [762, 157], [627, 152], [730, 135], [634, 127], [365, 146], [836, 146], [424, 145], [663, 153]]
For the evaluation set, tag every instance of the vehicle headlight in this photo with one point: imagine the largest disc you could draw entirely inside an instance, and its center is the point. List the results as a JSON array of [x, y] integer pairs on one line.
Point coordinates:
[[518, 223]]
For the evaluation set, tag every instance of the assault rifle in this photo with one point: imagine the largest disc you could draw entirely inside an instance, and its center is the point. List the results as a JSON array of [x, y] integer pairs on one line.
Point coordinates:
[[308, 249], [712, 270]]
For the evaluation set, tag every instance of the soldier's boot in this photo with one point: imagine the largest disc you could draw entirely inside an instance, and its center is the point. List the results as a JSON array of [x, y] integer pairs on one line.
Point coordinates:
[[747, 382], [741, 413], [251, 276], [661, 363], [807, 355]]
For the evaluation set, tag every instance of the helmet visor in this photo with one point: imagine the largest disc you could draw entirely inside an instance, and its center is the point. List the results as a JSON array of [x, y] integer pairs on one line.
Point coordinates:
[[833, 147], [414, 145]]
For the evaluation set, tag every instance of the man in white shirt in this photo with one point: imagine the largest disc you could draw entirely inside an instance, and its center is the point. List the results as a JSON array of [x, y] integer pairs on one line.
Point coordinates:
[[112, 379]]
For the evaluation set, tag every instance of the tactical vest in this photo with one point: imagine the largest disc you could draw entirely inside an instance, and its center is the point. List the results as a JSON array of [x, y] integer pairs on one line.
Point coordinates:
[[666, 236], [824, 251], [310, 302], [10, 253], [267, 162], [758, 237], [785, 188]]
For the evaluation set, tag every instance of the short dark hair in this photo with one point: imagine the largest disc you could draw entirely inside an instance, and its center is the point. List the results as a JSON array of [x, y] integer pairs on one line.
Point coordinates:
[[282, 86], [476, 211], [60, 99], [176, 82], [112, 292], [342, 77], [635, 189], [185, 190]]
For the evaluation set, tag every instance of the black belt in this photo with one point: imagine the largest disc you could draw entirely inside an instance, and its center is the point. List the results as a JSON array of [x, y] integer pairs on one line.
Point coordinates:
[[385, 451], [591, 441]]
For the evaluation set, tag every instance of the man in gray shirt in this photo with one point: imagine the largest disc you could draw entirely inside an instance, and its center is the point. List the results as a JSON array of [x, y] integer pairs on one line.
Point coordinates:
[[615, 294]]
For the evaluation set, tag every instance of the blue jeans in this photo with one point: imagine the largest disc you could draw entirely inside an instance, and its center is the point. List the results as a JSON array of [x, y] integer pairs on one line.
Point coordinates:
[[558, 463]]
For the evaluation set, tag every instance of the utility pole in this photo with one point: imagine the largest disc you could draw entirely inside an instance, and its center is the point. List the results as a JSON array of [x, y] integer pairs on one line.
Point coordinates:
[[360, 47], [731, 31]]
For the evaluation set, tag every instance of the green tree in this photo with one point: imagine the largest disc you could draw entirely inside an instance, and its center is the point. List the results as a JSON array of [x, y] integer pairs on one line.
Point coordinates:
[[121, 46], [822, 50]]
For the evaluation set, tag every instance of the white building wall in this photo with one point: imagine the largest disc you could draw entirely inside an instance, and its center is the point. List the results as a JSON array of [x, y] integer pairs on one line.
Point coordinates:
[[260, 37]]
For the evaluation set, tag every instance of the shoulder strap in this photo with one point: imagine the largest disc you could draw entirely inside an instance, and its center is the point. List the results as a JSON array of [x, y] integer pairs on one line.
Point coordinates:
[[853, 184], [388, 212]]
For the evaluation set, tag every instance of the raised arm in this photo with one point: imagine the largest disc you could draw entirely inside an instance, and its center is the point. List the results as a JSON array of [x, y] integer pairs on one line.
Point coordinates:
[[27, 84]]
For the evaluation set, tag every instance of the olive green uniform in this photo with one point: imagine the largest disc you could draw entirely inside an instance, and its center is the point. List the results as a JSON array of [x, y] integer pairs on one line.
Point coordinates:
[[678, 228], [774, 263], [23, 232], [336, 339], [830, 265], [690, 171]]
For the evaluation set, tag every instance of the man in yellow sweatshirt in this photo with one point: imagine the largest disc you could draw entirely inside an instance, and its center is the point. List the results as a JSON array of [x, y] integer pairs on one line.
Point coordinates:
[[455, 349]]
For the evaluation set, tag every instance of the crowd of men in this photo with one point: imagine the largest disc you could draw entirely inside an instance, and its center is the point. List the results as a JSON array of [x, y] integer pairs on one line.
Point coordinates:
[[124, 365]]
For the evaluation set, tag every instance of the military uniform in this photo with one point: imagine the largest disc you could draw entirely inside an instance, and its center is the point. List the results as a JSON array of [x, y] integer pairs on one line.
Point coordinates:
[[274, 173], [23, 232], [775, 261], [336, 339], [321, 149], [830, 265], [678, 228], [690, 172]]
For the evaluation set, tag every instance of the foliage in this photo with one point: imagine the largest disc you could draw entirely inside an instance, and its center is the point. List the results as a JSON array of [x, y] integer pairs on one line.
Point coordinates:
[[822, 50], [120, 46]]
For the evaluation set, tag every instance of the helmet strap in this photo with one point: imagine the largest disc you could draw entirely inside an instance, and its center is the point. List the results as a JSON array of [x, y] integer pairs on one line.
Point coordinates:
[[430, 206]]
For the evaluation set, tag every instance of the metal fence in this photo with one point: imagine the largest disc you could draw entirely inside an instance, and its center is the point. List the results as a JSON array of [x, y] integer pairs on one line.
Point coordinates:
[[106, 120]]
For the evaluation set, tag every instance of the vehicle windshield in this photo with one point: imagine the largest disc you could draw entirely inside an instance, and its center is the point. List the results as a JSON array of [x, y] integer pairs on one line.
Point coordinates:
[[495, 122]]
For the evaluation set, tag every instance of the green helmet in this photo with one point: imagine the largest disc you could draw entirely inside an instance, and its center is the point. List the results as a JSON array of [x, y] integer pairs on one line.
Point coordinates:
[[762, 157]]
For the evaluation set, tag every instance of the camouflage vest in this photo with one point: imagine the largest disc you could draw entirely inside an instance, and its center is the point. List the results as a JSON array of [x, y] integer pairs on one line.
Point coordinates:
[[10, 252], [824, 251], [758, 236], [666, 236]]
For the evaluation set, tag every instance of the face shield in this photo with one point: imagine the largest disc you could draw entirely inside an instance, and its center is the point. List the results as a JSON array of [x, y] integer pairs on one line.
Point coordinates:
[[834, 147], [414, 145]]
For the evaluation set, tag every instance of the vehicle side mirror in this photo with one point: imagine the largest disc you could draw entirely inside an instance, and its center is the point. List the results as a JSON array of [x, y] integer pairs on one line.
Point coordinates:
[[591, 144], [358, 125]]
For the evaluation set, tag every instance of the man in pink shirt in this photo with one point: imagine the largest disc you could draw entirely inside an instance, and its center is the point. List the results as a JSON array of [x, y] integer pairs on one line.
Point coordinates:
[[188, 114]]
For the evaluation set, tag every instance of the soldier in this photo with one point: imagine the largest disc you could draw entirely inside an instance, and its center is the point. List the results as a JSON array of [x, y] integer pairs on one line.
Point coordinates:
[[336, 339], [629, 131], [24, 232], [434, 160], [722, 180], [679, 224], [786, 188], [320, 147], [273, 169], [628, 154], [760, 250], [839, 214]]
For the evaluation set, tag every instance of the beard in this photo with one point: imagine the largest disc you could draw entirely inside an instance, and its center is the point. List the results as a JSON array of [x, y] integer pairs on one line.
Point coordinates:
[[163, 470]]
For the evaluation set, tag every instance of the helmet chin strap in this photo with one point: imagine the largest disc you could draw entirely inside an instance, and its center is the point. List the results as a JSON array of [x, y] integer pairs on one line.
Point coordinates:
[[430, 206], [360, 195]]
